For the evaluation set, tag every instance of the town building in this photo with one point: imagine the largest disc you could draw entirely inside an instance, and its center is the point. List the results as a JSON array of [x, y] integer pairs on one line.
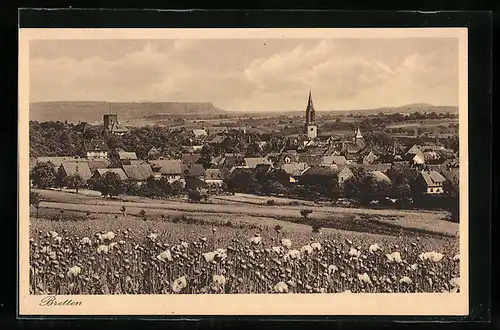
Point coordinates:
[[170, 169], [99, 173], [138, 173], [433, 182], [80, 168], [112, 125], [214, 178], [96, 149]]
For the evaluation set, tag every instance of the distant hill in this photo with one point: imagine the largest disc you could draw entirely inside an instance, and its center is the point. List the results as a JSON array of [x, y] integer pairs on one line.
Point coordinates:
[[89, 111], [408, 108]]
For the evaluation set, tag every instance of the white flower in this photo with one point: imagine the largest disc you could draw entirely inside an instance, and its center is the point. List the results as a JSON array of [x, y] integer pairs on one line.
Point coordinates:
[[109, 235], [405, 279], [179, 284], [185, 245], [394, 257], [54, 234], [102, 249], [354, 253], [58, 239], [456, 257], [306, 249], [364, 278], [347, 291], [209, 256], [286, 243], [332, 269], [292, 254], [74, 271], [165, 256], [316, 246], [432, 256], [86, 241], [152, 236], [414, 267], [374, 248], [281, 287], [455, 282], [219, 280], [256, 239]]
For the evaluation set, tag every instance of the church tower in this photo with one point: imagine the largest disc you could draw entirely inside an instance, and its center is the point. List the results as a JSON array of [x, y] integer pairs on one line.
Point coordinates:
[[310, 128], [358, 139]]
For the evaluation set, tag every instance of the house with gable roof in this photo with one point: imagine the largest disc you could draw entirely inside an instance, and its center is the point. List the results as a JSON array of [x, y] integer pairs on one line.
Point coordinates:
[[433, 182]]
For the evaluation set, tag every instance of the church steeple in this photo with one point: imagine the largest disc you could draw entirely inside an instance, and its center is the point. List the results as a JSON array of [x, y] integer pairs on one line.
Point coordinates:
[[358, 134], [310, 111], [310, 128]]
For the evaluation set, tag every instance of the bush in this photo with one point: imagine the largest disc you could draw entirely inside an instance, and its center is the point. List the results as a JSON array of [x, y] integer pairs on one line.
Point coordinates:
[[195, 196], [316, 226], [305, 213], [177, 218], [271, 202]]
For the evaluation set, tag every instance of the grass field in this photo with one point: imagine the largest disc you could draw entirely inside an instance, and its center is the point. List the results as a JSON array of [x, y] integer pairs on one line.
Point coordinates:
[[254, 207], [425, 123], [82, 244]]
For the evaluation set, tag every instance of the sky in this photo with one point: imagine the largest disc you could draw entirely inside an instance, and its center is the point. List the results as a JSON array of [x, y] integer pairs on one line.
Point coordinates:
[[248, 74]]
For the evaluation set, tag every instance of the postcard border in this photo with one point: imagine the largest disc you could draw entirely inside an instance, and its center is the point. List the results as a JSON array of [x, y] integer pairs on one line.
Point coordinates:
[[461, 140]]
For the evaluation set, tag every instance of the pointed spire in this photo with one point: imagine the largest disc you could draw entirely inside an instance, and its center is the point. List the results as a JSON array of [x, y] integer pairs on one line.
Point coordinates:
[[358, 134]]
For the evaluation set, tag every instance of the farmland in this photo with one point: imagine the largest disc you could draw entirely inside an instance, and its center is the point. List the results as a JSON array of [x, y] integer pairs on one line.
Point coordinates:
[[234, 245]]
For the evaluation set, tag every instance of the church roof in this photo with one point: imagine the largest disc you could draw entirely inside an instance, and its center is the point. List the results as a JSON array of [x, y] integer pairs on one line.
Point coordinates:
[[310, 105]]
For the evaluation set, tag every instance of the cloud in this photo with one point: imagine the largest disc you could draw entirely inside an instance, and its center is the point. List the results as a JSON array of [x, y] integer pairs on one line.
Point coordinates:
[[279, 78]]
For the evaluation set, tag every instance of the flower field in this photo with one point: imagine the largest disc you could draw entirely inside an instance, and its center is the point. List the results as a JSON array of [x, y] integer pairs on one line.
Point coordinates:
[[197, 259]]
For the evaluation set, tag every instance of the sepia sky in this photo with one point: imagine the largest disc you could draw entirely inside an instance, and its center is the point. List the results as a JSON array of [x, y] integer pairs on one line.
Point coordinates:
[[248, 74]]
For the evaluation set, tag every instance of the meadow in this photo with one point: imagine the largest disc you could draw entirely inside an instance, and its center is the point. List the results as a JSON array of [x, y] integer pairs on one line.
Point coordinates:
[[95, 253]]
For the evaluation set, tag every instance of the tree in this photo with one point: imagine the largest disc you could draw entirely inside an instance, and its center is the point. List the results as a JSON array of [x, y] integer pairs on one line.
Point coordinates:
[[75, 181], [368, 190], [177, 188], [109, 184], [35, 201], [305, 213], [206, 155], [60, 178], [401, 190], [452, 198], [351, 188], [194, 196], [275, 187], [123, 210], [332, 189], [43, 175]]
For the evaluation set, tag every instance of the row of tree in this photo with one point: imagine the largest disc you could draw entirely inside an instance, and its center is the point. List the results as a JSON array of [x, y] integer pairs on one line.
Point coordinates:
[[406, 188]]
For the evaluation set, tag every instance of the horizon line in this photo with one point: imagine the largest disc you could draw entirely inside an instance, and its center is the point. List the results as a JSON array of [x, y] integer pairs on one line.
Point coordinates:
[[209, 102]]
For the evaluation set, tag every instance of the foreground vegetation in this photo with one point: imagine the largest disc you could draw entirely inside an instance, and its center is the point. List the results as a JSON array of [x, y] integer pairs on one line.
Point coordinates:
[[130, 256]]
